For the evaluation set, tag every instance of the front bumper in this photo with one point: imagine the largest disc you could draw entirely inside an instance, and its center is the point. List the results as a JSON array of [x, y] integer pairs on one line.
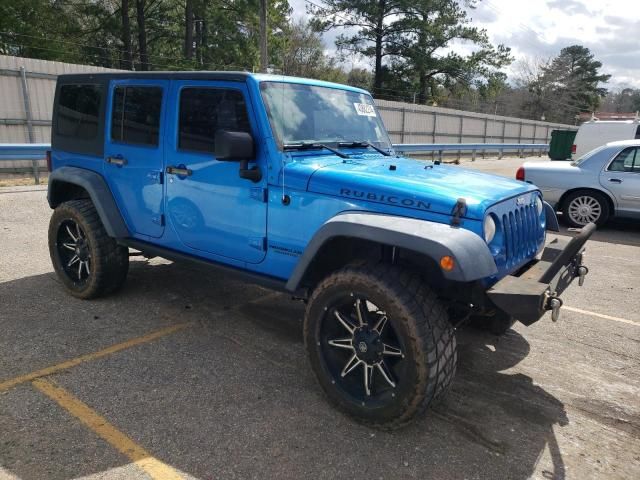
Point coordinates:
[[536, 289]]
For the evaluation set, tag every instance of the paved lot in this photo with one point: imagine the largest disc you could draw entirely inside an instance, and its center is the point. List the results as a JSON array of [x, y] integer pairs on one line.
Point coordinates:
[[208, 378]]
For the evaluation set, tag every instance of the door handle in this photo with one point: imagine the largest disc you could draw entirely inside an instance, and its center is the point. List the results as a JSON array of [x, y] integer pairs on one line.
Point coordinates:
[[181, 171], [117, 160], [615, 180]]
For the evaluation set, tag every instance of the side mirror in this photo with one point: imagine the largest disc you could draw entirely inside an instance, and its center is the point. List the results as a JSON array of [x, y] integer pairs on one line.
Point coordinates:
[[234, 146]]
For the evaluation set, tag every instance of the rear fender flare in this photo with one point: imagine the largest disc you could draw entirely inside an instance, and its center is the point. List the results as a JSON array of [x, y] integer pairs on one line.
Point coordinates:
[[473, 260], [95, 185]]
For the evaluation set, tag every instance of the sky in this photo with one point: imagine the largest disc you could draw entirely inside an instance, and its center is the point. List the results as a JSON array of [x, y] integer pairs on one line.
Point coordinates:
[[541, 28]]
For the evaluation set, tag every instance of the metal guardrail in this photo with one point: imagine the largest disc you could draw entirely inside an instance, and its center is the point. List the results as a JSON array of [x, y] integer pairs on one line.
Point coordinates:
[[472, 147], [25, 151], [37, 151]]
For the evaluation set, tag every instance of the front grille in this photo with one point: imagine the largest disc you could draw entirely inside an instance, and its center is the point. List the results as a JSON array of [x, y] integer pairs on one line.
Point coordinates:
[[521, 232]]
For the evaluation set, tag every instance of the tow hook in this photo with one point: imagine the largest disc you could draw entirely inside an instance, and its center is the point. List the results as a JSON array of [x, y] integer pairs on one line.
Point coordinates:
[[553, 304], [581, 273]]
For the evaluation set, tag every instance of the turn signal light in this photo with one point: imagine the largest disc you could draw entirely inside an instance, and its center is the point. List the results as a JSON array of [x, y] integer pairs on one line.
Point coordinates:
[[447, 263], [520, 174]]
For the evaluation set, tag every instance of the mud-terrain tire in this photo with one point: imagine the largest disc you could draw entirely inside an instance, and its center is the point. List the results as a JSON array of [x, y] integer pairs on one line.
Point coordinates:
[[593, 205], [497, 324], [88, 262], [418, 349]]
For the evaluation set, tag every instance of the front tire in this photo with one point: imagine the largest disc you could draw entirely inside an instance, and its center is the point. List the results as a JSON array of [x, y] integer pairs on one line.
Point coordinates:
[[584, 206], [88, 262], [380, 343]]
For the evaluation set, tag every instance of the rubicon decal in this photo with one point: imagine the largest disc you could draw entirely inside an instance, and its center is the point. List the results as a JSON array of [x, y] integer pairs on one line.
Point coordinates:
[[381, 198]]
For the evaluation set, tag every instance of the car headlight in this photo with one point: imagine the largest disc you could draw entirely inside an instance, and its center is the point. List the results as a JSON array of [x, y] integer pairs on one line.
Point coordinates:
[[489, 228], [539, 206]]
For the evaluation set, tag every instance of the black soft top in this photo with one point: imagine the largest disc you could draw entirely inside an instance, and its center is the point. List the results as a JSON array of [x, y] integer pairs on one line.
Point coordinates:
[[124, 75]]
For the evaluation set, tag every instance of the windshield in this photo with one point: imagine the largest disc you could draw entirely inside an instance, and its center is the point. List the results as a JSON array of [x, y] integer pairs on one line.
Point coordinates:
[[301, 114]]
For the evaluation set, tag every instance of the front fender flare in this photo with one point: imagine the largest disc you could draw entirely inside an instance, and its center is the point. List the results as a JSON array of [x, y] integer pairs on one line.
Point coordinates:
[[552, 218], [473, 258], [98, 191]]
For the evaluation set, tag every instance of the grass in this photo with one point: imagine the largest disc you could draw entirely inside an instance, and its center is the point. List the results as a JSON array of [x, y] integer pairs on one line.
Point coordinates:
[[21, 181]]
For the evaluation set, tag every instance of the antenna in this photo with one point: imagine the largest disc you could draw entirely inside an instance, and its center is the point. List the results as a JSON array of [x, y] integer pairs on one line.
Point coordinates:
[[285, 198]]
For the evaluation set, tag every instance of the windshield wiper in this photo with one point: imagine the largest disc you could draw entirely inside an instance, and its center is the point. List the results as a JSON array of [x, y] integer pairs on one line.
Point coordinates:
[[311, 146], [364, 144]]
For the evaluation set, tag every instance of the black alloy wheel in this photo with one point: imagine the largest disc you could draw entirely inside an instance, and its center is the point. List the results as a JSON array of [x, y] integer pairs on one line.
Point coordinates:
[[73, 250], [361, 349]]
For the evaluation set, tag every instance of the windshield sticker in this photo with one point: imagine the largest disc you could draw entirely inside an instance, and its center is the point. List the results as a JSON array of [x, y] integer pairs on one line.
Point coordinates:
[[365, 109]]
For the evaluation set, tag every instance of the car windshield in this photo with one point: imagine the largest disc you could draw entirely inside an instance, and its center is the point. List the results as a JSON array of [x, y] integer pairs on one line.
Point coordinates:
[[588, 155], [309, 114]]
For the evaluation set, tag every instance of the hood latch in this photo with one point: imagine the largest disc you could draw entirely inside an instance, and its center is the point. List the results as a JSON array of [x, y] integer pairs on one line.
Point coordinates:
[[459, 211]]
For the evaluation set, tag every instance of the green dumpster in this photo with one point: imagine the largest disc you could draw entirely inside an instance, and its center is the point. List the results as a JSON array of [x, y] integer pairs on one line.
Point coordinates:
[[561, 142]]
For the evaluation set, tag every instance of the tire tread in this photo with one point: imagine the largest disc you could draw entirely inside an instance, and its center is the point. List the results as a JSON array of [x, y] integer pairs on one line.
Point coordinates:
[[110, 260], [429, 330]]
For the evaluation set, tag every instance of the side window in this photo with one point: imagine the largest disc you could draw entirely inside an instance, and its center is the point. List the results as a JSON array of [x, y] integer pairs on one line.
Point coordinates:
[[204, 111], [638, 132], [136, 115], [627, 161], [78, 111]]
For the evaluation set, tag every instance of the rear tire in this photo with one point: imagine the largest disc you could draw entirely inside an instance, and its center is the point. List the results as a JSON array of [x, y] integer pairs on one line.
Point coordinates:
[[400, 358], [88, 262], [584, 206]]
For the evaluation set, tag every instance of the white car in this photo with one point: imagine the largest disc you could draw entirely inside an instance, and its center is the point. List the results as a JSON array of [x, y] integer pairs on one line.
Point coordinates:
[[603, 183]]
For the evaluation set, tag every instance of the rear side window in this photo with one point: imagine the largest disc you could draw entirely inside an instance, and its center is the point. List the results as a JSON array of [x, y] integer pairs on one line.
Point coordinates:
[[638, 133], [627, 161], [136, 115], [204, 111], [78, 111]]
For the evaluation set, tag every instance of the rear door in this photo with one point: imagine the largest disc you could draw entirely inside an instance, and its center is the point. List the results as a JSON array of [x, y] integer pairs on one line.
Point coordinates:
[[134, 154], [210, 207], [622, 178]]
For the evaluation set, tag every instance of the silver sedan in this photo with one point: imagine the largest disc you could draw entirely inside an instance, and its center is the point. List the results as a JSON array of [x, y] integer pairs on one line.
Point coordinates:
[[603, 183]]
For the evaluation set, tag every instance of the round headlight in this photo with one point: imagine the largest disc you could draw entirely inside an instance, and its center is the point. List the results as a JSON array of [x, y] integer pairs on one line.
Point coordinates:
[[489, 228], [539, 206]]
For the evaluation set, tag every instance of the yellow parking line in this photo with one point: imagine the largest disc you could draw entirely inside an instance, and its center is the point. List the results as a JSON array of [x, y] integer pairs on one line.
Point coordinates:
[[99, 425], [7, 384], [601, 315]]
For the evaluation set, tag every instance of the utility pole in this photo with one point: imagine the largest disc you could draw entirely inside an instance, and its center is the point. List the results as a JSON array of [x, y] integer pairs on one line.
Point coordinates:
[[263, 36]]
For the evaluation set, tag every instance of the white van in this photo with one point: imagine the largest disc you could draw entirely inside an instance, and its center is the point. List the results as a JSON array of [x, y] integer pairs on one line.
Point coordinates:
[[595, 133]]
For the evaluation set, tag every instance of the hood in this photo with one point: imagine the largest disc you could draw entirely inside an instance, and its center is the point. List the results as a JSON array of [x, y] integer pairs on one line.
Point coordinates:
[[405, 182]]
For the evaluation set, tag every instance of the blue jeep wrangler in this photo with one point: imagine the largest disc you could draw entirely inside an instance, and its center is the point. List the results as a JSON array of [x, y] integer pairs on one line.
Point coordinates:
[[294, 184]]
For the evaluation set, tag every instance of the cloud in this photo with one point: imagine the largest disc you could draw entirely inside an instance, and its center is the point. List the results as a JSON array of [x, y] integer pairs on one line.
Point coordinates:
[[483, 15], [542, 29], [571, 7], [620, 55]]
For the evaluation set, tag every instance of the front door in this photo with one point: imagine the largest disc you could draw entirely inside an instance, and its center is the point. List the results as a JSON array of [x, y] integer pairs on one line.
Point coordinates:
[[134, 152], [622, 178], [209, 206]]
